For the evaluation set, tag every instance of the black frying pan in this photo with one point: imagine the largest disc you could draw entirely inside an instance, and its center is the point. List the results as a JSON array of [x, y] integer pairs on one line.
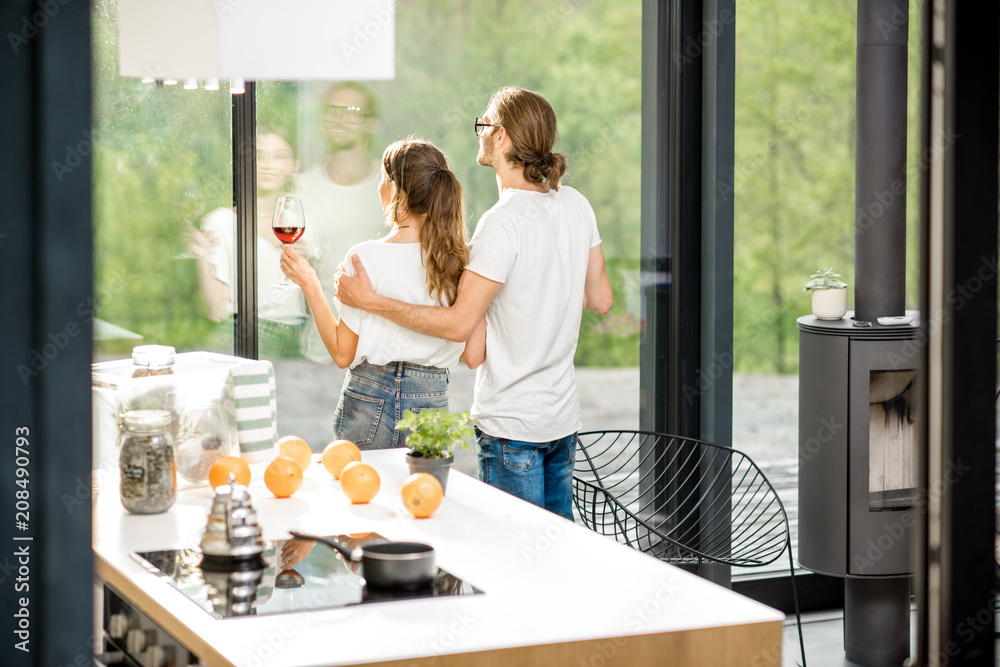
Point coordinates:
[[388, 565]]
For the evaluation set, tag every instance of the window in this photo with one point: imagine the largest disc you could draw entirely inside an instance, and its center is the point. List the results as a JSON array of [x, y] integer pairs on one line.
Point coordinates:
[[163, 170]]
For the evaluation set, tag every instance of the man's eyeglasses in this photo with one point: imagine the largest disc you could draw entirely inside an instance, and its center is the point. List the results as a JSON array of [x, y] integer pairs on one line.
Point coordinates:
[[347, 115], [480, 126]]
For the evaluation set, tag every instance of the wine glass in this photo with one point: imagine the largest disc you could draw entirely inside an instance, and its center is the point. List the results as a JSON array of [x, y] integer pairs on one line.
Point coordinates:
[[288, 224]]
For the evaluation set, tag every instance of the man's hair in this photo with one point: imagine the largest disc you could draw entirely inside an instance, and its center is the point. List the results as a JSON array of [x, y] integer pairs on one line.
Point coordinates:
[[531, 125]]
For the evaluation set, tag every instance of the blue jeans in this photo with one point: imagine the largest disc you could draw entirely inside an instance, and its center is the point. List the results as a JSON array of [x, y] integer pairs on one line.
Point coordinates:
[[539, 472], [375, 397]]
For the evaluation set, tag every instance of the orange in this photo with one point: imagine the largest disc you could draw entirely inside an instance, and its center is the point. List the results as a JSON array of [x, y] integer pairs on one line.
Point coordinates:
[[359, 481], [283, 477], [218, 474], [296, 449], [338, 454], [422, 494]]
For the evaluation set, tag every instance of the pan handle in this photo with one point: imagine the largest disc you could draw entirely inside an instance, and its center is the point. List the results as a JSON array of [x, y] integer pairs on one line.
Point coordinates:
[[349, 554]]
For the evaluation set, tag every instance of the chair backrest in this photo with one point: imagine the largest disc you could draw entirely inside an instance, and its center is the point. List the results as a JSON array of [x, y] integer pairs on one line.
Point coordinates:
[[680, 499]]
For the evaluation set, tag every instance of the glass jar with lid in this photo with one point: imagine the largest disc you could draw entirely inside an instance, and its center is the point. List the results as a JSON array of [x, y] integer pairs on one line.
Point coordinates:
[[151, 360], [147, 462]]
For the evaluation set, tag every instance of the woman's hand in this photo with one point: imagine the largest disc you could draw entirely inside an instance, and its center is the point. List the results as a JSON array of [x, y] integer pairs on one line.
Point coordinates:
[[200, 244], [298, 270]]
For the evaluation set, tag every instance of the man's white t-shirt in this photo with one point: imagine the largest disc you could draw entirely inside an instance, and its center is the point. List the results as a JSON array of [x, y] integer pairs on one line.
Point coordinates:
[[537, 245], [285, 306], [341, 216], [397, 271]]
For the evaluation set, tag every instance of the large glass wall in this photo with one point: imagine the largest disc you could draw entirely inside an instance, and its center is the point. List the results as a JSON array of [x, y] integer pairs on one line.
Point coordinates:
[[793, 188], [163, 178]]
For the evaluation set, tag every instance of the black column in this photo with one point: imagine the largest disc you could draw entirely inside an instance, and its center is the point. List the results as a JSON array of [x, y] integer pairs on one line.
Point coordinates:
[[672, 215], [47, 308], [959, 199], [880, 162], [245, 201], [687, 223]]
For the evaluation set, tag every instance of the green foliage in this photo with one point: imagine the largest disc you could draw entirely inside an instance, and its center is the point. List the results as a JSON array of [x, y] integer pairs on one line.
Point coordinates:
[[433, 433], [793, 182], [613, 339], [824, 279]]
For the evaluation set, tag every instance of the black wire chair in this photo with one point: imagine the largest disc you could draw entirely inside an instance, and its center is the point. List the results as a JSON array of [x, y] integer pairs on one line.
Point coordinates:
[[681, 500]]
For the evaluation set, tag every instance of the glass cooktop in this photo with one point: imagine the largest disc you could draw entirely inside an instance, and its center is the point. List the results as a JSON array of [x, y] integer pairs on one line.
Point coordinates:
[[292, 575]]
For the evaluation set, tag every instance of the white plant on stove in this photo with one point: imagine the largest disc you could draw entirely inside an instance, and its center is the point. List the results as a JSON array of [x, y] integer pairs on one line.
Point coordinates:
[[824, 279]]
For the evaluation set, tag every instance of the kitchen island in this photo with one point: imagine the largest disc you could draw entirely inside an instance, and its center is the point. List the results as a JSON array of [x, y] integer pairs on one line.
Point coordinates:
[[553, 593]]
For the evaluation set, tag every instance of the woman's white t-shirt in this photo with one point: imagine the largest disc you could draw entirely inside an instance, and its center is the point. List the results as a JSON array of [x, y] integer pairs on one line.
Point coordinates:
[[285, 306], [397, 271]]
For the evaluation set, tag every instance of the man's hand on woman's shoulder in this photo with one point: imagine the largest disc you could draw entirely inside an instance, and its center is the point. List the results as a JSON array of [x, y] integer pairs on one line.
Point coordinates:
[[354, 291]]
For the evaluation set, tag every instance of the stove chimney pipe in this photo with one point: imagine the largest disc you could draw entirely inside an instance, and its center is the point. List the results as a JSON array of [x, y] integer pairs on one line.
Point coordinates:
[[880, 163]]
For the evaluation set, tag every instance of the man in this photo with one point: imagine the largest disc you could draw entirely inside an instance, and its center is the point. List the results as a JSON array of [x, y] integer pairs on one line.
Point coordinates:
[[536, 262], [340, 195]]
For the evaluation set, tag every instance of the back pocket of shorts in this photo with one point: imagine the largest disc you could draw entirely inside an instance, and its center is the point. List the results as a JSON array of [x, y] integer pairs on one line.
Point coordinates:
[[360, 418]]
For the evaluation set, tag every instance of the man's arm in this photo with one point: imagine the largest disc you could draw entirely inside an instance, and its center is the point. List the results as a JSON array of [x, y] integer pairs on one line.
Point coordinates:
[[474, 353], [455, 322], [597, 295]]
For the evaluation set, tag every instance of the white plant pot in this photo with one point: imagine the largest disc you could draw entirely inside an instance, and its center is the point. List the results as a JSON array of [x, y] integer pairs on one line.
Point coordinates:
[[829, 304]]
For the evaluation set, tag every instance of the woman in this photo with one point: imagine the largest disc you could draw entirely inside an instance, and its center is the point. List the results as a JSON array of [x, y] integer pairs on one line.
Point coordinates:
[[281, 313], [393, 369]]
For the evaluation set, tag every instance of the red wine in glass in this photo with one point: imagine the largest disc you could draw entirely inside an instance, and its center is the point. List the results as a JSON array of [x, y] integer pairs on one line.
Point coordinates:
[[288, 224], [288, 234]]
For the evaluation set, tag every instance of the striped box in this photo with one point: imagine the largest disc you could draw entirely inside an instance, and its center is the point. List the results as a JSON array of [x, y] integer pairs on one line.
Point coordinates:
[[255, 402]]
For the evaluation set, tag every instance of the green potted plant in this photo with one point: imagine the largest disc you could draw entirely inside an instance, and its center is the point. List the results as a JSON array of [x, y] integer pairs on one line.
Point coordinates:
[[433, 434], [829, 294]]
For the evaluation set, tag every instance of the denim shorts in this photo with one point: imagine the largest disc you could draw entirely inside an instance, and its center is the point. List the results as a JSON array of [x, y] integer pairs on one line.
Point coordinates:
[[375, 397]]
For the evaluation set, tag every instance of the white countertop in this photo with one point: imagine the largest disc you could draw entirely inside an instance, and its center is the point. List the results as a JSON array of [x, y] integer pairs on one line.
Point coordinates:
[[545, 580]]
